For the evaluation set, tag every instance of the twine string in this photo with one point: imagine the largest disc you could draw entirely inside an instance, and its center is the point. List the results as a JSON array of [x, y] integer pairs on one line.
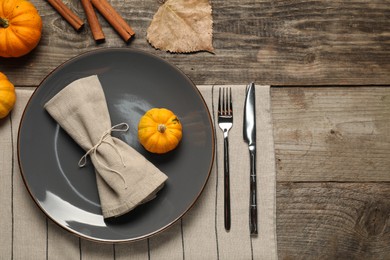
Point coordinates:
[[93, 150]]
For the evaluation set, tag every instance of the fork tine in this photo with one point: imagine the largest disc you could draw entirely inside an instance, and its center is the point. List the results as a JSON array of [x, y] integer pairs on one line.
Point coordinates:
[[219, 102], [231, 102], [224, 101]]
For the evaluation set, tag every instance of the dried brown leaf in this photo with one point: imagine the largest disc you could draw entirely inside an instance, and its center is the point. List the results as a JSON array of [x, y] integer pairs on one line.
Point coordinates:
[[182, 26]]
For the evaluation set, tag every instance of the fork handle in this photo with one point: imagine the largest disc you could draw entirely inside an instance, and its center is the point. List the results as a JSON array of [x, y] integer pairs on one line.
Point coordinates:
[[226, 178]]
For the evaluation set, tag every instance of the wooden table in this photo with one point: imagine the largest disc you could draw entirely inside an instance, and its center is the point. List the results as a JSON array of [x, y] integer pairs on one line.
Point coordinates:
[[329, 63]]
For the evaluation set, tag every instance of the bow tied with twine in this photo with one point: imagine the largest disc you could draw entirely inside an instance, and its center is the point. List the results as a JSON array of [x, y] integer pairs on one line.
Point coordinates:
[[93, 150]]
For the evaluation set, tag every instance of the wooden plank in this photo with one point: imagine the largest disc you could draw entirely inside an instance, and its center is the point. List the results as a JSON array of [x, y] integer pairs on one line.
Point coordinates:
[[332, 133], [279, 43], [333, 220]]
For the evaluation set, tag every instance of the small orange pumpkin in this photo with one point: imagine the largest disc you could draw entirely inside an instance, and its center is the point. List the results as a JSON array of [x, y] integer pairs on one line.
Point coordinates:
[[20, 28], [7, 96], [159, 130]]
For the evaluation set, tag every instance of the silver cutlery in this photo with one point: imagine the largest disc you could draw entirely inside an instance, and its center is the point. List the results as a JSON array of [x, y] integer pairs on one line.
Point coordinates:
[[225, 122], [250, 137]]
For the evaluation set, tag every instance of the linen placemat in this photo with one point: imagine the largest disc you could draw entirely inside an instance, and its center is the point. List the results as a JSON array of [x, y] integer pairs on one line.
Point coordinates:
[[26, 233]]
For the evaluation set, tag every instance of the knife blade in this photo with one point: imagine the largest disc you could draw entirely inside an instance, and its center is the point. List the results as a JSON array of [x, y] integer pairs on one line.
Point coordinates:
[[249, 134]]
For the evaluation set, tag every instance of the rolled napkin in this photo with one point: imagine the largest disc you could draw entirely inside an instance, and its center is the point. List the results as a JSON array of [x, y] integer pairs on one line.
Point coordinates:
[[124, 177]]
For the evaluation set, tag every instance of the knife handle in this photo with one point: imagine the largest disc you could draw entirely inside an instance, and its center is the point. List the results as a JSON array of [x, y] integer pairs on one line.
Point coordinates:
[[226, 177], [253, 194]]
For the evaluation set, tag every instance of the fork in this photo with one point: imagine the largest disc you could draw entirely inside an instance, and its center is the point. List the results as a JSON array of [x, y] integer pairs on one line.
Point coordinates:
[[225, 122]]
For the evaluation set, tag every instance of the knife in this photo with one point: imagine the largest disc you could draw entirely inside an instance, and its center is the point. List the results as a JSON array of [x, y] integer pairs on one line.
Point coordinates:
[[250, 138]]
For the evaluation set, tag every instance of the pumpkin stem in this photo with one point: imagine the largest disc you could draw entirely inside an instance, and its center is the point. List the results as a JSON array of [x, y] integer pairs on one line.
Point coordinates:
[[4, 22], [161, 128]]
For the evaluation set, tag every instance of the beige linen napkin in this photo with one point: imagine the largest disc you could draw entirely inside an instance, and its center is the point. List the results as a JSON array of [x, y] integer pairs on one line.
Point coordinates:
[[124, 177]]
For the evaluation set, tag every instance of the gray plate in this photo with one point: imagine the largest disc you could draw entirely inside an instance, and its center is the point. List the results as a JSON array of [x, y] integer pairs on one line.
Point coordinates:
[[133, 82]]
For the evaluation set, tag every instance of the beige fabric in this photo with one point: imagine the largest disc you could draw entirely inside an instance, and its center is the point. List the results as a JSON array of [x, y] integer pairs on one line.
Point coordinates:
[[21, 221], [26, 233], [125, 178]]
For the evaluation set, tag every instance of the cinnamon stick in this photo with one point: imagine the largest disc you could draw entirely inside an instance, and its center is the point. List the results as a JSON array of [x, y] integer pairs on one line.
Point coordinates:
[[114, 19], [93, 21], [67, 14]]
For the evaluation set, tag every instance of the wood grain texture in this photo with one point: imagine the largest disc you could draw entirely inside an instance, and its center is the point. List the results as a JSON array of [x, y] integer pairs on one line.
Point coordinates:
[[332, 147], [332, 133], [272, 42], [333, 220]]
